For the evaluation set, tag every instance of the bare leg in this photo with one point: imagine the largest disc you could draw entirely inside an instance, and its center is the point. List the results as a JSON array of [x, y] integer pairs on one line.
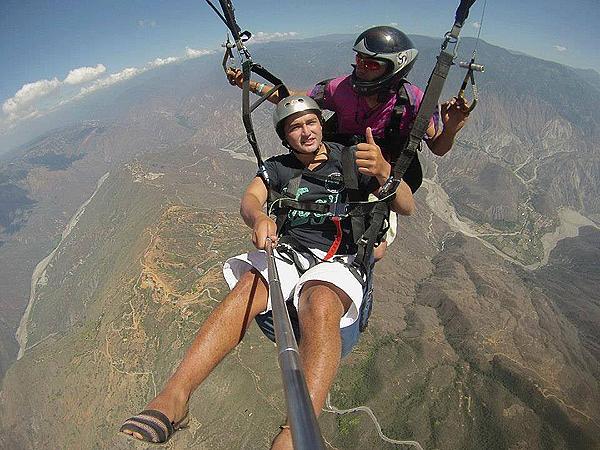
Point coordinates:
[[321, 307], [219, 334]]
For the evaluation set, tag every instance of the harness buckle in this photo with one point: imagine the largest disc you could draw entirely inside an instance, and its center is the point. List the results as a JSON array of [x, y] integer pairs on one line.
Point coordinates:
[[362, 241], [339, 210]]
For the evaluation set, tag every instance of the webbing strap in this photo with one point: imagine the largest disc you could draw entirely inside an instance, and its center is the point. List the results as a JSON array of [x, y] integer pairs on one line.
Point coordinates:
[[392, 130], [426, 110], [369, 237], [337, 241], [349, 171]]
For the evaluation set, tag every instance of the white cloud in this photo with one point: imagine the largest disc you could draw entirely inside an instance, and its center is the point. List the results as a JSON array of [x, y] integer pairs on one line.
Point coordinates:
[[25, 104], [146, 23], [162, 61], [189, 54], [193, 53], [30, 114], [114, 78], [84, 74], [476, 25], [393, 24], [560, 48], [261, 36], [29, 94]]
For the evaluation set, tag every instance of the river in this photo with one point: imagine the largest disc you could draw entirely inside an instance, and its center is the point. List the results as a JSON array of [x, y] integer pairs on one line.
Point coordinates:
[[570, 221], [39, 271]]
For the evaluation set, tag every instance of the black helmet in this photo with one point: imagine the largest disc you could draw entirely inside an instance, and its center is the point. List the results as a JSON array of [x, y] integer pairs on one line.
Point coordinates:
[[385, 44]]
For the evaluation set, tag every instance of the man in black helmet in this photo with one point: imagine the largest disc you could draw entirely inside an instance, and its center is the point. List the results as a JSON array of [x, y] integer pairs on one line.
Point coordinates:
[[327, 296], [377, 95], [372, 93]]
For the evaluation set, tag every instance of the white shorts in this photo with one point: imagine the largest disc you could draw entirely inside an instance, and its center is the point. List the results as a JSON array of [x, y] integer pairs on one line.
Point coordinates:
[[333, 272], [391, 232]]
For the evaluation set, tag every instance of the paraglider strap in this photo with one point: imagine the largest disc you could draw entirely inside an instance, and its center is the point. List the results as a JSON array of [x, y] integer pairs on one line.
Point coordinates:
[[412, 145]]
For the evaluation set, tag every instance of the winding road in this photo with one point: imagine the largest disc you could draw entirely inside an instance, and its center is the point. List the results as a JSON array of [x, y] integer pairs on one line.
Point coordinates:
[[332, 409]]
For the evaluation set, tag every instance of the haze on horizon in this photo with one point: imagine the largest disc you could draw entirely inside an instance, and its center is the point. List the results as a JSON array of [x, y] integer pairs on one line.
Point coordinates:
[[61, 52]]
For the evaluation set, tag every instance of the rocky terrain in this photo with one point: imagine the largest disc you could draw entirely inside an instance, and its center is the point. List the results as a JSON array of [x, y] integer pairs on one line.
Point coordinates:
[[484, 332]]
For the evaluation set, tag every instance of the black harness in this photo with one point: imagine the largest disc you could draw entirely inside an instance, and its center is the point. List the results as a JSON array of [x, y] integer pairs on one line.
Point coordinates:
[[361, 214], [369, 219]]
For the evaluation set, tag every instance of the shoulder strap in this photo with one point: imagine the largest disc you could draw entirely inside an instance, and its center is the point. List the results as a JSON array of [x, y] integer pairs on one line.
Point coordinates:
[[318, 92], [394, 142], [329, 123], [292, 189], [402, 100], [350, 174]]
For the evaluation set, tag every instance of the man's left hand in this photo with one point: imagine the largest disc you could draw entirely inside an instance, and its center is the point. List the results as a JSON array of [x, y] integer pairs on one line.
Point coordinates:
[[455, 113]]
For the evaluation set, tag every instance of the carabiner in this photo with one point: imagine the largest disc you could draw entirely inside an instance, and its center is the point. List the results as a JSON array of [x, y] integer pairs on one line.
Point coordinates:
[[471, 67], [228, 55]]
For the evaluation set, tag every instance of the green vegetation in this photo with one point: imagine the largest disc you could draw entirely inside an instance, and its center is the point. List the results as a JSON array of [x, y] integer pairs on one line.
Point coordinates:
[[347, 426], [505, 226], [184, 122], [358, 383], [54, 161]]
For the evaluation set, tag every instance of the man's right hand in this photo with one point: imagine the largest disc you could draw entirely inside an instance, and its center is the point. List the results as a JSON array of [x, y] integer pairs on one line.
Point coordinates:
[[264, 227], [370, 160], [235, 77]]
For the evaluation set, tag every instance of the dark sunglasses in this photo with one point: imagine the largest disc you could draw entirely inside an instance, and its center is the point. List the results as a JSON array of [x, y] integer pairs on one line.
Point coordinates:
[[369, 63]]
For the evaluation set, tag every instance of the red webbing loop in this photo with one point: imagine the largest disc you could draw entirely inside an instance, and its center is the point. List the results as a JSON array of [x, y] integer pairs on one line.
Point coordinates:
[[337, 241]]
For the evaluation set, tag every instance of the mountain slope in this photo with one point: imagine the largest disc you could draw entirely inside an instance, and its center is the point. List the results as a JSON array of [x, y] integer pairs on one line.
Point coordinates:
[[483, 335]]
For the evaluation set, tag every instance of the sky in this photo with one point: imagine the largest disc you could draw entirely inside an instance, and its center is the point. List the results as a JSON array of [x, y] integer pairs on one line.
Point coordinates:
[[55, 51]]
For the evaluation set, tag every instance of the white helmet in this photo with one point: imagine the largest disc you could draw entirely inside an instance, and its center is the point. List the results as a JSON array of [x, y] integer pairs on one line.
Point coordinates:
[[292, 105]]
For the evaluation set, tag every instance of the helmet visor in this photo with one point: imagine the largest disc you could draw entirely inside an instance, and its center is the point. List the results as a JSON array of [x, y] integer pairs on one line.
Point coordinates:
[[369, 63]]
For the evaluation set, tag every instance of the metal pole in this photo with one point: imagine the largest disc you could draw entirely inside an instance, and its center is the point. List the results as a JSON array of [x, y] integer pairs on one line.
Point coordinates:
[[306, 434]]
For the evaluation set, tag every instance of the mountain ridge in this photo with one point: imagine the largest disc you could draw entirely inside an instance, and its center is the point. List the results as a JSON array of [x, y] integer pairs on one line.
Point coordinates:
[[464, 350]]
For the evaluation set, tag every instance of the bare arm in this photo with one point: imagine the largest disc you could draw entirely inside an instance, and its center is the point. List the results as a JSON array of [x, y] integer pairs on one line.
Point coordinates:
[[236, 77], [404, 202], [455, 113], [252, 212]]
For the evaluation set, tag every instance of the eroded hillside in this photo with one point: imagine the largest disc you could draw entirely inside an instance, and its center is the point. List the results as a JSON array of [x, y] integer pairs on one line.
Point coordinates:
[[483, 334]]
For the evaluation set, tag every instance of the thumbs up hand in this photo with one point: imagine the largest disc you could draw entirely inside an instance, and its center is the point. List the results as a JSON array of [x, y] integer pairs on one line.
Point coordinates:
[[370, 160]]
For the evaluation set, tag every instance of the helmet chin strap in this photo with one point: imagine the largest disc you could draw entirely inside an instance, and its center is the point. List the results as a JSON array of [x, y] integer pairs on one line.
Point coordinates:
[[386, 85]]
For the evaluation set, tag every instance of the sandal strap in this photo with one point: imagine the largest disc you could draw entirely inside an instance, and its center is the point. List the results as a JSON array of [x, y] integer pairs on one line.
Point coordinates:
[[151, 424]]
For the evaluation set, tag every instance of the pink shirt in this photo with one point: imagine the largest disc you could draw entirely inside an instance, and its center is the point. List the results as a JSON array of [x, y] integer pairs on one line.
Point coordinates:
[[354, 115]]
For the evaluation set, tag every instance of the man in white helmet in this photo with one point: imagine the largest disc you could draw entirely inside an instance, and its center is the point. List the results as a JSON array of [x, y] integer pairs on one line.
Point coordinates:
[[326, 296]]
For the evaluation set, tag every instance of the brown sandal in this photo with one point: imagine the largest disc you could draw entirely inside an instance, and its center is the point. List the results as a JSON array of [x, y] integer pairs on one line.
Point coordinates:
[[153, 426]]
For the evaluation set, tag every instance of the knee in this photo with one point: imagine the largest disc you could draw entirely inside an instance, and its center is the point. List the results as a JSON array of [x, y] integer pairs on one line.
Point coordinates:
[[251, 283], [251, 289], [320, 302]]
